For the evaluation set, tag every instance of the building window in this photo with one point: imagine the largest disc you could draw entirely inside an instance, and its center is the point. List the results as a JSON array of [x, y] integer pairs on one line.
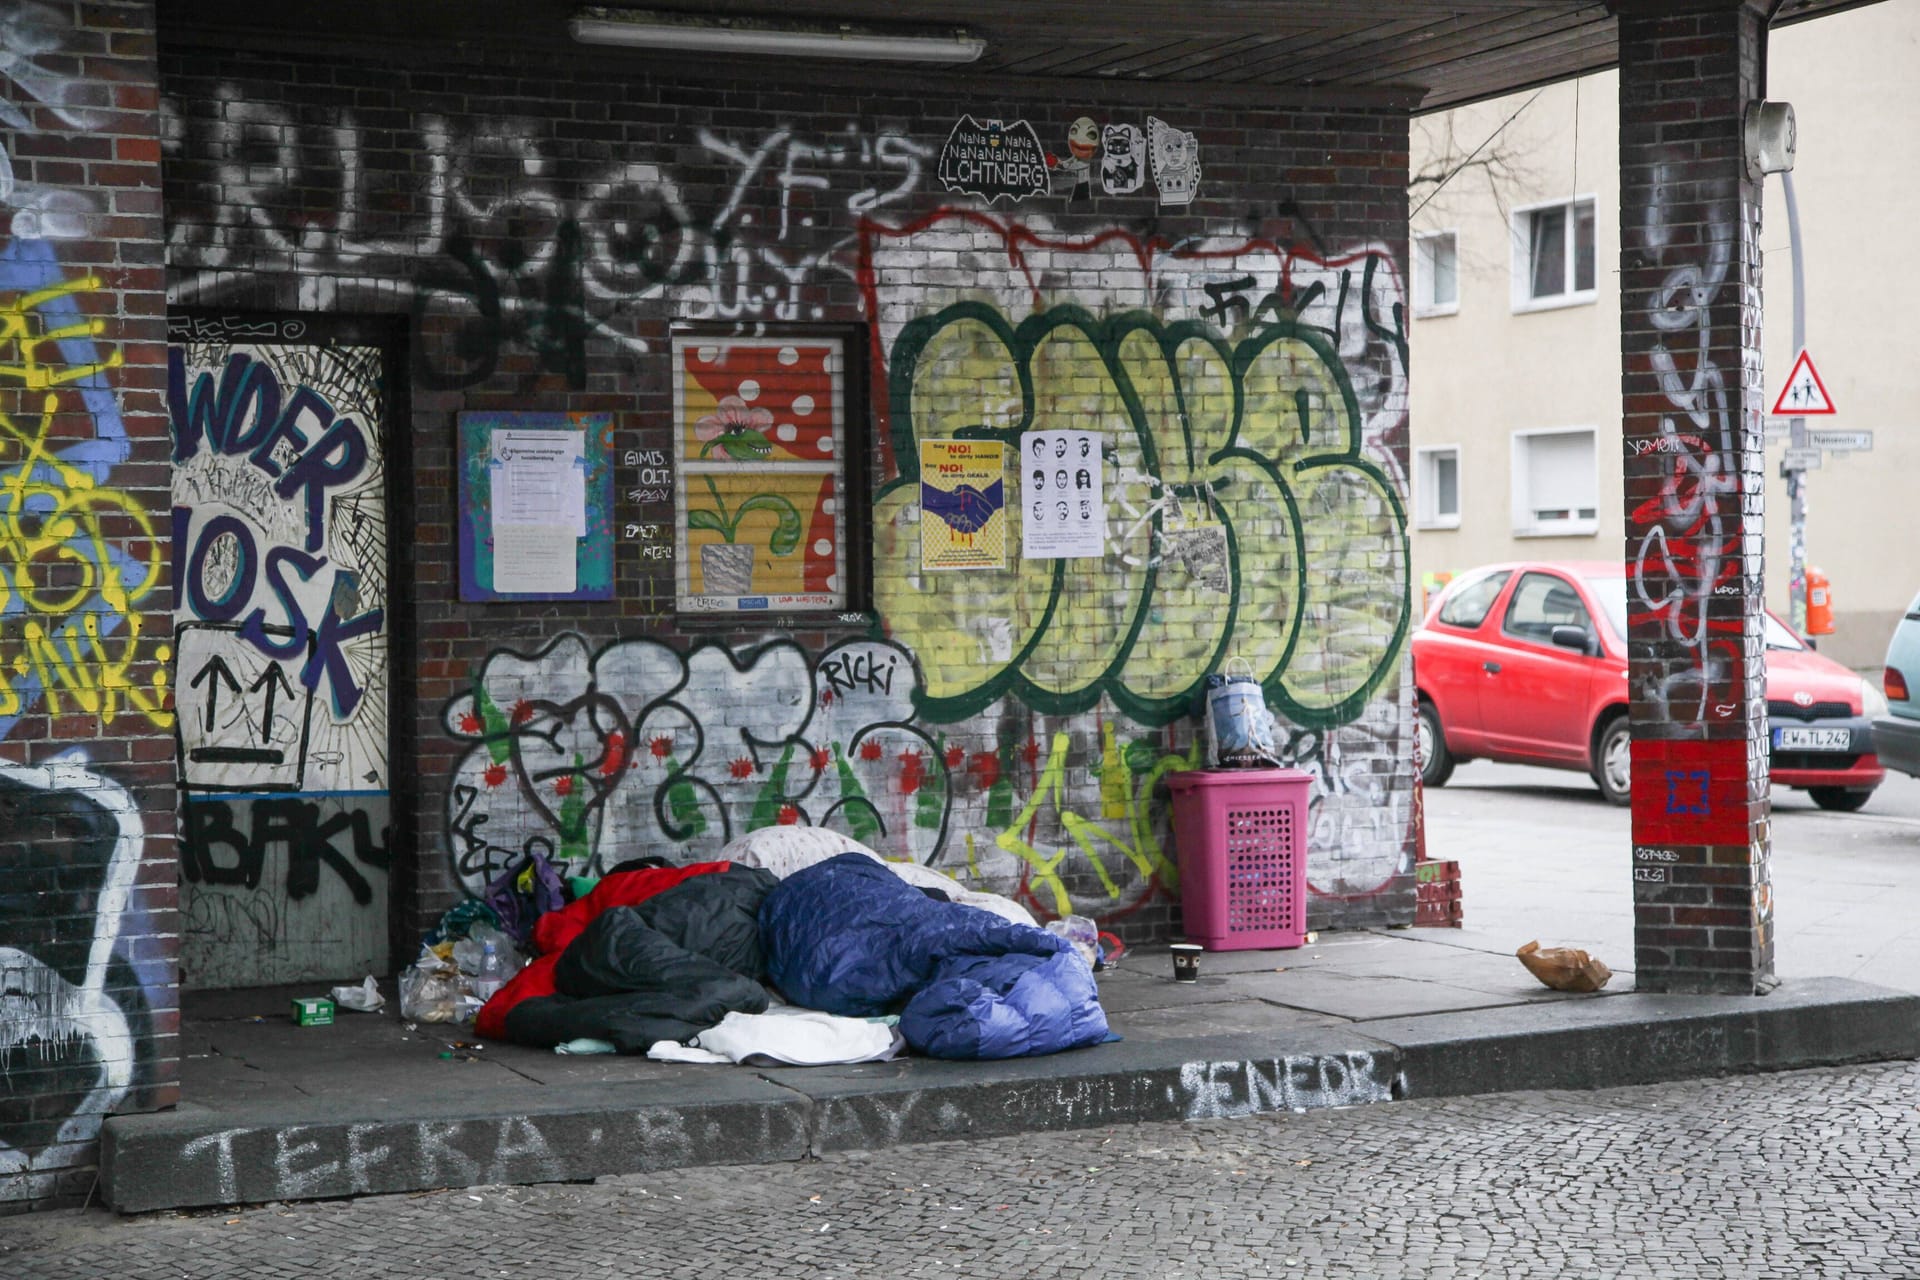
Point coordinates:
[[1556, 482], [1437, 487], [1436, 275], [1553, 248], [764, 517]]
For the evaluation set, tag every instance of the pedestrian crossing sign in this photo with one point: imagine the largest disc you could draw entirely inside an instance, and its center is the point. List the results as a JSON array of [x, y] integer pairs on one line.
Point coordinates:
[[1804, 395]]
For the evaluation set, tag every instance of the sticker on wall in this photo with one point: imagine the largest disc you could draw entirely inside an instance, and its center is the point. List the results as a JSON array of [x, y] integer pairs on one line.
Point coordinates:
[[1176, 161], [963, 505], [1073, 172], [759, 434], [1123, 159], [994, 158], [1065, 512]]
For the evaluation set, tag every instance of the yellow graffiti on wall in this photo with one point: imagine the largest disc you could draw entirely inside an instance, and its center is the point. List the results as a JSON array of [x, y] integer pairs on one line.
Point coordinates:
[[68, 544], [1140, 847]]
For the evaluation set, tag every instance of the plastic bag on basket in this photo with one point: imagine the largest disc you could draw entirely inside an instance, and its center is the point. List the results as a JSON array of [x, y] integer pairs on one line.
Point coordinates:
[[1240, 729]]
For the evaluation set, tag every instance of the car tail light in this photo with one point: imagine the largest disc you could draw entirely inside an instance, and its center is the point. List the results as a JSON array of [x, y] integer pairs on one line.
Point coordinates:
[[1895, 684]]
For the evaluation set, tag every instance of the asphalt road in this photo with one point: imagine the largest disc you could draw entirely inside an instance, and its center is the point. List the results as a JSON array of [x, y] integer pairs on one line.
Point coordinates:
[[1543, 856], [1804, 1174]]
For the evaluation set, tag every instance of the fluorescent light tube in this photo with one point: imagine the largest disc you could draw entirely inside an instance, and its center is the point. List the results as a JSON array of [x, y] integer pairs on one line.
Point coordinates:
[[643, 29]]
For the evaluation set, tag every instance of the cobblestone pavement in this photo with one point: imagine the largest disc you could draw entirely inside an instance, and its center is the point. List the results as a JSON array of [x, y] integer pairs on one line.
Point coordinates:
[[1811, 1173]]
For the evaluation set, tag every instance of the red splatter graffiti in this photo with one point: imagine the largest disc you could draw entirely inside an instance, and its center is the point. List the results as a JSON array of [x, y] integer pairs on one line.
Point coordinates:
[[616, 757], [741, 768], [913, 771], [661, 747], [495, 774]]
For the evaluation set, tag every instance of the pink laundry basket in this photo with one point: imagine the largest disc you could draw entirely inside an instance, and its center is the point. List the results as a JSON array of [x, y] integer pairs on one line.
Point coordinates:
[[1241, 839]]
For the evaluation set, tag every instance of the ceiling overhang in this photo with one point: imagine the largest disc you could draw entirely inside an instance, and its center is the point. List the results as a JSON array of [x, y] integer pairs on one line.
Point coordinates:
[[1415, 55]]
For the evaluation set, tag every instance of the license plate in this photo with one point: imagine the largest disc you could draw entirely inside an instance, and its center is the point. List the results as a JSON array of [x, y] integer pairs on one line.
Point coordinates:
[[1813, 739]]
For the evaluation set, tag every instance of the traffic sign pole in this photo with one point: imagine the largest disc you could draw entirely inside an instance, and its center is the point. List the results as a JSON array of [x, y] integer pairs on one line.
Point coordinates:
[[1797, 429]]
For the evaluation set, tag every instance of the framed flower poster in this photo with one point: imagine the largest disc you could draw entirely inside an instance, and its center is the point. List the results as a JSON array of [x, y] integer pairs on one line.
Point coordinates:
[[760, 505]]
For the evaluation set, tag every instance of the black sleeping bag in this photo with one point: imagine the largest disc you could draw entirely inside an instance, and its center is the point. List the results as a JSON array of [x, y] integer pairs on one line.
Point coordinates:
[[666, 969]]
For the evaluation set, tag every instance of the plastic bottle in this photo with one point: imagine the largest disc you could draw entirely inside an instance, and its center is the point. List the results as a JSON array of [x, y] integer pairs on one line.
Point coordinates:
[[492, 975]]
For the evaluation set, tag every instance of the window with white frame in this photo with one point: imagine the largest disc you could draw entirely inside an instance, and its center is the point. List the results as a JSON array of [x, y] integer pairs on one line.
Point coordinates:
[[1556, 482], [1437, 487], [1553, 255], [1436, 274]]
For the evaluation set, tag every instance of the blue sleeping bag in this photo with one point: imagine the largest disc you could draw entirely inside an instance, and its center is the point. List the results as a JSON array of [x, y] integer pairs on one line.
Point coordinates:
[[849, 937]]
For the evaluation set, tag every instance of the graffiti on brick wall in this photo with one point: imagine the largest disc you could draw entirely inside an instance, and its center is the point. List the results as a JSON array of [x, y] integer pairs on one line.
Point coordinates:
[[1252, 439], [76, 1039], [280, 591], [507, 246], [40, 78], [1253, 400], [78, 557], [593, 758], [1686, 540]]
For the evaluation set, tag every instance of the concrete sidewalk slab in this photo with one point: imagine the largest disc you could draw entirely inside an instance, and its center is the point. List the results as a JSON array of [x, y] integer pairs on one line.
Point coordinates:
[[371, 1104]]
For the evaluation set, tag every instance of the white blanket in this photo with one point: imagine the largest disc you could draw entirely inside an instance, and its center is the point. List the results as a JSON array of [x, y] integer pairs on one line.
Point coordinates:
[[785, 850]]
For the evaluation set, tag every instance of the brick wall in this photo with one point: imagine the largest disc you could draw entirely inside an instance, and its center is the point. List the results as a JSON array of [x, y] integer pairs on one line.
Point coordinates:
[[543, 225], [89, 1019], [1690, 329]]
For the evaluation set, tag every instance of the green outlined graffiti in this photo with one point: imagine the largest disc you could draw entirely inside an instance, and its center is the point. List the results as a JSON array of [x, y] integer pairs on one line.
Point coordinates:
[[1259, 440]]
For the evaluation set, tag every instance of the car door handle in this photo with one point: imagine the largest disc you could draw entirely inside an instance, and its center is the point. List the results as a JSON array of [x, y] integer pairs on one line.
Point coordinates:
[[1491, 668]]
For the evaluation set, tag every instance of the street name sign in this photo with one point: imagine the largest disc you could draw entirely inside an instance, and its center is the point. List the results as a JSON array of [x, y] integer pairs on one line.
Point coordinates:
[[1852, 441], [1800, 460]]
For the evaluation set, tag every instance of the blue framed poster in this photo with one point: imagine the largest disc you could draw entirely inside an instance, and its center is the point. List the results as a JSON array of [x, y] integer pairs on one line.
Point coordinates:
[[536, 506]]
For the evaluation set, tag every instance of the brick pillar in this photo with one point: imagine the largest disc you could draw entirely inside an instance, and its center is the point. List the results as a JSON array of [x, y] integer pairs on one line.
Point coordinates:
[[1691, 382], [89, 919]]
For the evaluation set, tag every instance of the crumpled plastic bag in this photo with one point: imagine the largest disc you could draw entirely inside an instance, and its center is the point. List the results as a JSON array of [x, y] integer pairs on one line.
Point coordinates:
[[430, 990], [468, 951], [1564, 968], [365, 998], [1083, 933]]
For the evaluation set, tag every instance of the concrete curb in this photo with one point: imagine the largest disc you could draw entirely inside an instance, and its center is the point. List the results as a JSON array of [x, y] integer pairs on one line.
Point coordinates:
[[329, 1147]]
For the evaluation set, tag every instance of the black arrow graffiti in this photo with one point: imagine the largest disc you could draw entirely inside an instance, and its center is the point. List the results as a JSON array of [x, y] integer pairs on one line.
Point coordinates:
[[271, 676], [216, 667]]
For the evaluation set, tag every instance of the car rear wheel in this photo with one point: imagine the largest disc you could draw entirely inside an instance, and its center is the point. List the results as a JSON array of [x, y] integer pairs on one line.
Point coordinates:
[[1839, 799], [1436, 763], [1613, 760]]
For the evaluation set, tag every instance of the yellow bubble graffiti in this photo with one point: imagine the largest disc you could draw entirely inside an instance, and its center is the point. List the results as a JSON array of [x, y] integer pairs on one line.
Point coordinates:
[[66, 543]]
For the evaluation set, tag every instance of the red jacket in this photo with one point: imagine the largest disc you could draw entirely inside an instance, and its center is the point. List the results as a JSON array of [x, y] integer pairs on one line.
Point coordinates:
[[554, 930]]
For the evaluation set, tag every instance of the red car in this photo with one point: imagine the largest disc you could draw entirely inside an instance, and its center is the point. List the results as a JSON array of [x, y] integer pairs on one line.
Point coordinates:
[[1527, 663]]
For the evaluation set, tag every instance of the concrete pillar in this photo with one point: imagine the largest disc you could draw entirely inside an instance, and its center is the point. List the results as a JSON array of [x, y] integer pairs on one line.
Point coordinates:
[[1691, 383]]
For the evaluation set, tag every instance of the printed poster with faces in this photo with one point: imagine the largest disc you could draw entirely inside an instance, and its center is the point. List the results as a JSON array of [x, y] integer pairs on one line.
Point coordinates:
[[1063, 510]]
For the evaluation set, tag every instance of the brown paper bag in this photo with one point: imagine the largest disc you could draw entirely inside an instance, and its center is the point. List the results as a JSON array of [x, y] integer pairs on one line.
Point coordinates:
[[1564, 968]]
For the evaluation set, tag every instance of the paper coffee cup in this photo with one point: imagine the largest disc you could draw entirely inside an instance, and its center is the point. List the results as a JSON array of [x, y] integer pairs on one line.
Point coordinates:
[[1186, 961]]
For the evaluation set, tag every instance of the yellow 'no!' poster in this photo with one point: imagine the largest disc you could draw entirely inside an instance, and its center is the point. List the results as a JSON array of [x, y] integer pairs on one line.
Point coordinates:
[[963, 505]]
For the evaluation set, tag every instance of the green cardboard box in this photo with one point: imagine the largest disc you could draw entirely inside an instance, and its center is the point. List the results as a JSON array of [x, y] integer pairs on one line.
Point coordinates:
[[313, 1011]]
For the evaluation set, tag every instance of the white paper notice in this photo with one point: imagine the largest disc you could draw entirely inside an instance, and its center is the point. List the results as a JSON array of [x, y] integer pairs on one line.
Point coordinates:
[[535, 559], [540, 477], [1063, 510]]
